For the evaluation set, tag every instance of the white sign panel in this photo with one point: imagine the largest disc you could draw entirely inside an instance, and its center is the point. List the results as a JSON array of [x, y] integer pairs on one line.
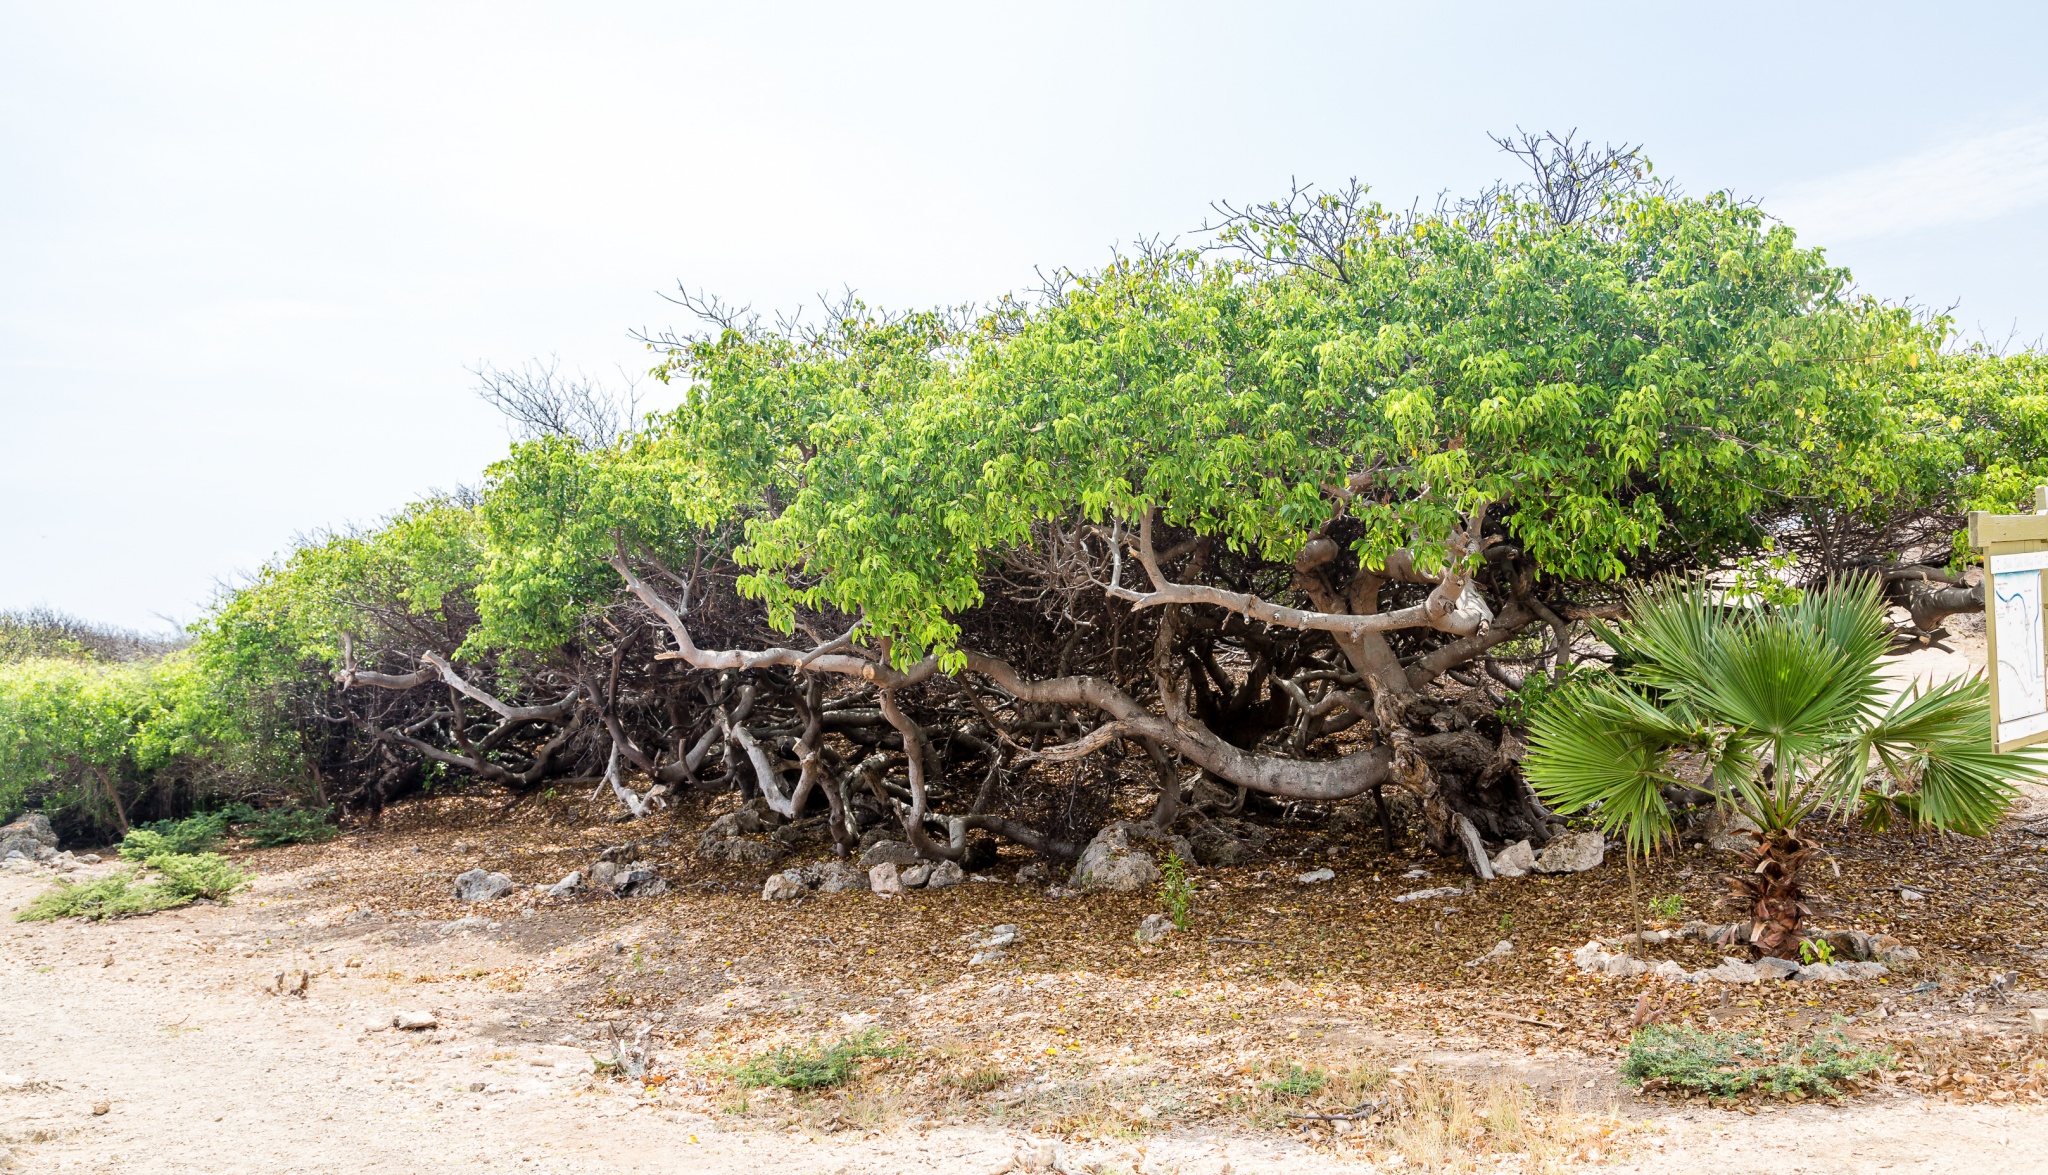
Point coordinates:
[[2022, 653]]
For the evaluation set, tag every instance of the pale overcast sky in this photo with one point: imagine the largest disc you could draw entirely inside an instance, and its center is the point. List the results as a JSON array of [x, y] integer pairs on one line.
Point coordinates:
[[250, 252]]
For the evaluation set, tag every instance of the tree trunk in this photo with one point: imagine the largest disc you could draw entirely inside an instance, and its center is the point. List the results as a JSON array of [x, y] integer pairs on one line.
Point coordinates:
[[1771, 893]]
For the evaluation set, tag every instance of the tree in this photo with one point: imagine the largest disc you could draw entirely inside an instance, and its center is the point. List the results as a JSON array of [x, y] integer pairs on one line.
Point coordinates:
[[1779, 714]]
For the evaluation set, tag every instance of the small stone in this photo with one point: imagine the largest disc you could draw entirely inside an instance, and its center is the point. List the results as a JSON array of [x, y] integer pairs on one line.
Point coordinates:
[[1423, 895], [1154, 928], [99, 1108], [886, 881], [1110, 864], [1315, 876], [836, 876], [980, 958], [1777, 968], [787, 885], [1911, 895], [1501, 950], [1670, 970], [915, 876], [2037, 1021], [379, 1023], [415, 1021], [945, 875], [1033, 873], [1517, 860], [997, 937], [566, 886], [1727, 832], [639, 880], [1574, 852], [1735, 971], [479, 886]]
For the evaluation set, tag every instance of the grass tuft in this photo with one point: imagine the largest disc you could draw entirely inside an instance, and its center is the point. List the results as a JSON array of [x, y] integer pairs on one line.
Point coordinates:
[[1724, 1064], [815, 1067]]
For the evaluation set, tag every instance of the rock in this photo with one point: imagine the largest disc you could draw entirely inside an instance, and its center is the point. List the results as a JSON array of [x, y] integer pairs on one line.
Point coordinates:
[[981, 957], [32, 825], [380, 1021], [479, 886], [1726, 831], [1574, 852], [415, 1021], [1315, 876], [1109, 864], [836, 876], [1911, 895], [1840, 972], [886, 881], [464, 925], [1216, 848], [1517, 860], [1669, 970], [785, 886], [601, 874], [1501, 950], [889, 852], [2037, 1021], [99, 1108], [1891, 950], [914, 877], [998, 937], [566, 886], [45, 853], [1771, 968], [945, 875], [738, 850], [1735, 971], [1423, 895], [1153, 928], [1033, 873], [90, 858], [639, 881]]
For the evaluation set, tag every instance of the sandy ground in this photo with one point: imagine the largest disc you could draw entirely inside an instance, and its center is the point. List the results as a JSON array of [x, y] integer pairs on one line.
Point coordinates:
[[168, 1023]]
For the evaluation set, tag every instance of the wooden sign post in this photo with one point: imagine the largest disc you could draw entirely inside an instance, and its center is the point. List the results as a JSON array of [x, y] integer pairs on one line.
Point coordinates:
[[2015, 550]]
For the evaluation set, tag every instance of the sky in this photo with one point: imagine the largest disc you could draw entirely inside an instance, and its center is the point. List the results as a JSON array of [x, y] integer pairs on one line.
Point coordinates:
[[251, 255]]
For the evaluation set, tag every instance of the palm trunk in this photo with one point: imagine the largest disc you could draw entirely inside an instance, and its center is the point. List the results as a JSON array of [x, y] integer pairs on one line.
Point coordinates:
[[1771, 893]]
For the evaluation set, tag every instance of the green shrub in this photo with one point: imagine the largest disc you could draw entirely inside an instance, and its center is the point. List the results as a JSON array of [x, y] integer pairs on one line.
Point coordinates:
[[789, 1067], [289, 826], [200, 875], [110, 897], [194, 834], [1723, 1064], [1298, 1082]]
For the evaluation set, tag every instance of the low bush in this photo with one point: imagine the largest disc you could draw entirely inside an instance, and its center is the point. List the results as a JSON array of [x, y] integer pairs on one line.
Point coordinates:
[[194, 834], [1724, 1064], [272, 827], [116, 896], [197, 875], [789, 1067]]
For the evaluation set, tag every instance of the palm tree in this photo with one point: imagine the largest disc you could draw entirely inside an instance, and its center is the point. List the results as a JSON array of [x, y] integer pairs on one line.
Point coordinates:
[[1787, 710]]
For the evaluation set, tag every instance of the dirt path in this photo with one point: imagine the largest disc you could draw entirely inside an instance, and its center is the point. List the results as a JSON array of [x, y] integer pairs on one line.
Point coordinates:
[[167, 1022]]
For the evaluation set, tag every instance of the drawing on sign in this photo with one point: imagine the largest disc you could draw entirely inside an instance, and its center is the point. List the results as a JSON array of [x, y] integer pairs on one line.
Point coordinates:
[[2022, 661]]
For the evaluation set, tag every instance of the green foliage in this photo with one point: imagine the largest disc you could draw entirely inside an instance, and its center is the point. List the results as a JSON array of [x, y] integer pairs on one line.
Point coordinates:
[[1816, 950], [1723, 1064], [1667, 907], [1786, 706], [114, 896], [1298, 1082], [815, 1067], [289, 826], [194, 834], [1176, 890], [197, 875]]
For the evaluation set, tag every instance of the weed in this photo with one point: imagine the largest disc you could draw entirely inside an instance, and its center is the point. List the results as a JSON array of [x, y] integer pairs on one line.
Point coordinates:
[[1724, 1064], [979, 1081], [1668, 906], [1816, 950], [194, 834], [789, 1067], [1176, 890], [1298, 1082]]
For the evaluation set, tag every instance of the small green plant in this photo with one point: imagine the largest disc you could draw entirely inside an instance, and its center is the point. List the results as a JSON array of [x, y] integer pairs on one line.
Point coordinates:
[[1298, 1082], [815, 1067], [1816, 950], [1724, 1064], [979, 1081], [1176, 890], [289, 826], [1667, 906]]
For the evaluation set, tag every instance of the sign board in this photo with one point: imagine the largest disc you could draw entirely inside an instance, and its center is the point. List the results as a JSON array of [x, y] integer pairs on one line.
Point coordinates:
[[2015, 550]]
